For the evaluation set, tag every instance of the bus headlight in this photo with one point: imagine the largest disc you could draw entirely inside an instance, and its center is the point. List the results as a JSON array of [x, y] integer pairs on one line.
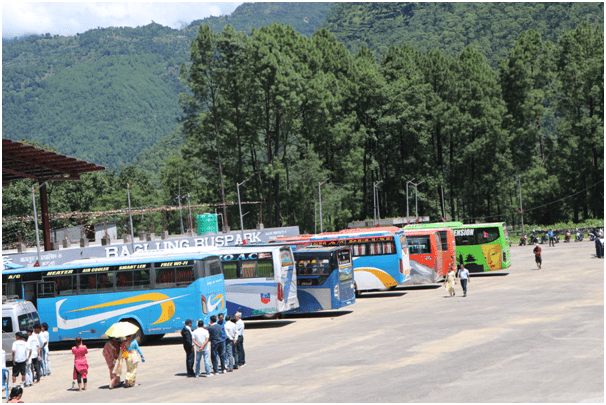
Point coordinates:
[[337, 291]]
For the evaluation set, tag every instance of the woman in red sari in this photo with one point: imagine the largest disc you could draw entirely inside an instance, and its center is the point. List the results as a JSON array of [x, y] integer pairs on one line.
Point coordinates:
[[80, 363], [111, 351]]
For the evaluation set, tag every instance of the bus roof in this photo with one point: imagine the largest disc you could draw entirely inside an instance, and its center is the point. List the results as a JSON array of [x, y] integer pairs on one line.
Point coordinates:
[[452, 225], [420, 232], [96, 261], [348, 235], [207, 250]]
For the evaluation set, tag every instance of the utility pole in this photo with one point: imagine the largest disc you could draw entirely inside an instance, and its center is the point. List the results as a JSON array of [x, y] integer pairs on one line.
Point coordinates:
[[130, 216], [376, 198], [407, 214], [416, 193], [180, 213], [240, 206], [521, 210], [320, 199], [36, 219], [191, 224]]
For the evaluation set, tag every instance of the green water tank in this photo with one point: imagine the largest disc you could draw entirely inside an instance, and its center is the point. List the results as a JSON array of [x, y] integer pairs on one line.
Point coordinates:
[[207, 223]]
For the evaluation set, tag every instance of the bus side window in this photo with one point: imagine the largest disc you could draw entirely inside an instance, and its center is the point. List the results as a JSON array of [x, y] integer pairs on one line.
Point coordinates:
[[88, 283], [230, 270], [124, 280], [248, 269], [141, 279], [326, 267], [165, 277], [66, 285], [214, 267], [389, 247], [185, 275], [265, 268]]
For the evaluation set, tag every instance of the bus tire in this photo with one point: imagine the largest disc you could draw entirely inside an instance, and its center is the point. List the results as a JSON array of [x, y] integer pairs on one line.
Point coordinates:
[[356, 291], [154, 338], [140, 337]]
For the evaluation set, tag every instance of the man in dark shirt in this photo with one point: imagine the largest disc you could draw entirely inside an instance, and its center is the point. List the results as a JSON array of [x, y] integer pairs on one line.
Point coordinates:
[[188, 345], [217, 345]]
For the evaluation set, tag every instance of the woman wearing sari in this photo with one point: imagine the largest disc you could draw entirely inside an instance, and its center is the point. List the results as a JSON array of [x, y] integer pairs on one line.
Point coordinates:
[[111, 352], [450, 281], [80, 363], [132, 354]]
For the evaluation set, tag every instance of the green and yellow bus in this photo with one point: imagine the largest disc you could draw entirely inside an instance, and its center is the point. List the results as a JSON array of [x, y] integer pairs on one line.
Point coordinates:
[[480, 247]]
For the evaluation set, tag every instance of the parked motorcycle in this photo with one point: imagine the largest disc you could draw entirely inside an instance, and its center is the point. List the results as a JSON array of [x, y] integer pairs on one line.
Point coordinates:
[[523, 240], [544, 238], [533, 239], [579, 237], [567, 237]]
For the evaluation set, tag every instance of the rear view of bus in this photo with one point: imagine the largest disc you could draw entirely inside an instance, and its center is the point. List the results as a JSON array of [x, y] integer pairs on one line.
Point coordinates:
[[259, 280], [426, 262], [325, 278], [380, 257], [483, 247]]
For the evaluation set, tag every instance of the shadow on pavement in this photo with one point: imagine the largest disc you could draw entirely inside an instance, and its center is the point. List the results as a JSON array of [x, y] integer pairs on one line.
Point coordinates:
[[419, 287], [267, 324], [381, 294], [489, 274], [318, 314]]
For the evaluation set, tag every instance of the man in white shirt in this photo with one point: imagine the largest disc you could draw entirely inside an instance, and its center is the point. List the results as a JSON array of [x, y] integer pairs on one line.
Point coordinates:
[[240, 344], [201, 338], [47, 364], [231, 338], [32, 366], [43, 346], [21, 353]]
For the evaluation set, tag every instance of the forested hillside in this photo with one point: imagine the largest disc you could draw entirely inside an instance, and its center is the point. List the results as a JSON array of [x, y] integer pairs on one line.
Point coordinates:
[[107, 94], [491, 28]]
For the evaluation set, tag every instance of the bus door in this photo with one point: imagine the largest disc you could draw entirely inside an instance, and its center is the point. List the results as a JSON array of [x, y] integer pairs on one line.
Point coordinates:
[[30, 292], [287, 285], [346, 275], [439, 265]]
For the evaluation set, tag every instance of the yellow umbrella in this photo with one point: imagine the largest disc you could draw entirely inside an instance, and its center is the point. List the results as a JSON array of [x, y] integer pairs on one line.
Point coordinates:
[[121, 329]]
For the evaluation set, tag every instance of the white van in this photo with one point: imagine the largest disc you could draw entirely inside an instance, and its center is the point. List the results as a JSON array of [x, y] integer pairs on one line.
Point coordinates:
[[16, 315]]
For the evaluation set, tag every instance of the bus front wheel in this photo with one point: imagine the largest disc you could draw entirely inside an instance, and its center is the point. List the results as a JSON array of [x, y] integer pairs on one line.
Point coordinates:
[[140, 337], [356, 291]]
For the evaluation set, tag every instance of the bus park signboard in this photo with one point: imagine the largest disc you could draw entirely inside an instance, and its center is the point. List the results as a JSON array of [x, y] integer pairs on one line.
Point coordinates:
[[119, 249]]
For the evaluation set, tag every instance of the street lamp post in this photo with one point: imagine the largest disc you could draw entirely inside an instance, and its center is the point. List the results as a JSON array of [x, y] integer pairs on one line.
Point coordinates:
[[374, 195], [407, 214], [416, 185], [191, 223], [130, 216], [320, 199], [521, 210], [36, 218], [240, 207]]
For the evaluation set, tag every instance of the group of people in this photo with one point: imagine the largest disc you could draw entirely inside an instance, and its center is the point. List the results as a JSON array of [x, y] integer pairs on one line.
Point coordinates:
[[30, 355], [115, 352], [451, 280], [222, 341]]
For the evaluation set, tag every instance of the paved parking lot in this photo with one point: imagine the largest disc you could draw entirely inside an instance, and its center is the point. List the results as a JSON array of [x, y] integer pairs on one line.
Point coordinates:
[[527, 336]]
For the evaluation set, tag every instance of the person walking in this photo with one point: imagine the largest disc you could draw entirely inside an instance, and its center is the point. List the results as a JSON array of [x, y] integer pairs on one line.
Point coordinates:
[[33, 371], [217, 345], [21, 354], [188, 346], [537, 255], [201, 342], [240, 360], [45, 355], [133, 358], [80, 363], [464, 277], [450, 281], [111, 352], [231, 339]]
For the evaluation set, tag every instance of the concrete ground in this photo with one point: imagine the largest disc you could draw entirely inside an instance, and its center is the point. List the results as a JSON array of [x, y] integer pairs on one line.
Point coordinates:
[[527, 336]]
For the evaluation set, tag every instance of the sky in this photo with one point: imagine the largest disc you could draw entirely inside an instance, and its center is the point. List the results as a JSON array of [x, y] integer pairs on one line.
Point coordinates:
[[69, 18]]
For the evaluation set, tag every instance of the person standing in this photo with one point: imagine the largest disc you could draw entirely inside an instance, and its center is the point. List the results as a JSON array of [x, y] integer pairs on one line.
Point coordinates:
[[111, 352], [43, 346], [21, 354], [231, 338], [45, 355], [537, 255], [80, 364], [599, 248], [240, 343], [221, 322], [188, 345], [464, 277], [551, 238], [217, 344], [201, 342], [450, 282], [134, 356], [33, 371]]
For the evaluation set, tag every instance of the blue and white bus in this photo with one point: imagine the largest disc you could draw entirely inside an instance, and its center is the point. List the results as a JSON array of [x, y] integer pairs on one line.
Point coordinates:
[[259, 279], [325, 278], [380, 256], [85, 297]]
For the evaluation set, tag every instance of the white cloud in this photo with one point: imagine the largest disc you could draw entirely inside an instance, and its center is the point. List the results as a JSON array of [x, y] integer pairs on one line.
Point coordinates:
[[70, 18]]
